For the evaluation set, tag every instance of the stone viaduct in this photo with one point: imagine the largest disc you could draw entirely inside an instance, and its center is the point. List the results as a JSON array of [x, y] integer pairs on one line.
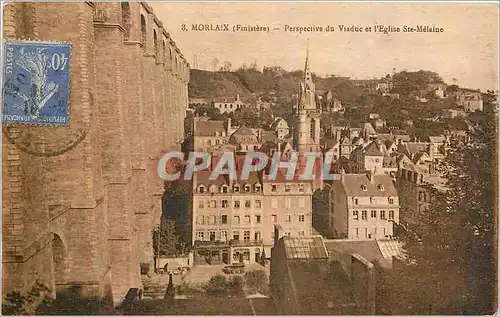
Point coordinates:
[[83, 218]]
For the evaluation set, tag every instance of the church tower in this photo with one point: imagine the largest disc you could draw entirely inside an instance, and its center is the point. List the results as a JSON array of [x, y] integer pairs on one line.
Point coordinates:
[[307, 131]]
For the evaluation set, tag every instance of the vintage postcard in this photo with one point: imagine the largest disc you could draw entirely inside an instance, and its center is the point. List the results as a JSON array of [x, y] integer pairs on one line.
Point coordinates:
[[249, 158]]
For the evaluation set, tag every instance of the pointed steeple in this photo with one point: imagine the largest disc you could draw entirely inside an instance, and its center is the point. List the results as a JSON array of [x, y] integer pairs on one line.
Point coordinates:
[[306, 68]]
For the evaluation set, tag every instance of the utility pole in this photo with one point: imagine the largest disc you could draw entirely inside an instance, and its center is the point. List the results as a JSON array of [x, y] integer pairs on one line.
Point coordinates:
[[158, 248]]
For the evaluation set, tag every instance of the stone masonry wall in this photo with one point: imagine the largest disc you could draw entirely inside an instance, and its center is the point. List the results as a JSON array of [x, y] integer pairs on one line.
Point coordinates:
[[88, 212]]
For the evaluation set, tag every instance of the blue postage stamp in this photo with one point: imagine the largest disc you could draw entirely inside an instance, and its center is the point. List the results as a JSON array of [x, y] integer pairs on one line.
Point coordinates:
[[36, 83]]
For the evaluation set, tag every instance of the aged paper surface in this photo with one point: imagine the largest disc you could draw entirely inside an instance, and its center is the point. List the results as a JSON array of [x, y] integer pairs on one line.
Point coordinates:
[[249, 158]]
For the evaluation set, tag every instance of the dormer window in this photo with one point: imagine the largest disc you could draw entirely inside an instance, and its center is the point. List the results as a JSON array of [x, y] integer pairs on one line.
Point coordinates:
[[236, 188], [247, 188], [257, 188], [201, 189], [287, 188], [364, 188], [301, 188], [273, 188], [224, 189], [381, 187], [391, 200], [212, 189]]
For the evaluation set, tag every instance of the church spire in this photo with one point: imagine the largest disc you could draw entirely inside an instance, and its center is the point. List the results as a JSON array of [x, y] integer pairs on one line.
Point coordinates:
[[306, 68]]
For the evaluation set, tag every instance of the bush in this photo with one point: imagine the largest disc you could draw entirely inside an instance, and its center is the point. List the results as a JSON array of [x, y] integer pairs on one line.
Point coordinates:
[[256, 281], [218, 285], [236, 285]]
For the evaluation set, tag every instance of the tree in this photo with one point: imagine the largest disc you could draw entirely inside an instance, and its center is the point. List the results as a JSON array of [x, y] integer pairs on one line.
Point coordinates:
[[227, 66], [451, 265], [166, 239]]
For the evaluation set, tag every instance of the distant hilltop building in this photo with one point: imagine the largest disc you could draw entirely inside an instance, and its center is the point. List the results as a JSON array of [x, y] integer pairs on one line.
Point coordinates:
[[470, 100], [227, 104]]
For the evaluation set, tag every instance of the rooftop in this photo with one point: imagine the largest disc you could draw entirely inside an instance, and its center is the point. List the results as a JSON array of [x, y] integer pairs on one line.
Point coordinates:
[[360, 185], [305, 248]]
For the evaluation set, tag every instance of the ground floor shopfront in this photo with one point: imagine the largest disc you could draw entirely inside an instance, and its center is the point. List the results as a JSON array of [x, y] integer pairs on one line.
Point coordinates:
[[228, 253]]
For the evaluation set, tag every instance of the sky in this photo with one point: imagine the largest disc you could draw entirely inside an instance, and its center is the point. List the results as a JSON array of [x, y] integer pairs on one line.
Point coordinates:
[[466, 53]]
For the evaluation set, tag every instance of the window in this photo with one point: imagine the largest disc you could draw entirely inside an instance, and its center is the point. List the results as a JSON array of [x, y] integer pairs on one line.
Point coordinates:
[[217, 142], [257, 188], [200, 220], [301, 218], [301, 188], [355, 201], [247, 188], [287, 234], [355, 214], [247, 219], [212, 235], [223, 219], [288, 218], [391, 201], [287, 188], [288, 203], [258, 204], [224, 204], [275, 218], [366, 232], [246, 235], [364, 215], [257, 235], [248, 204], [236, 188], [236, 220], [374, 214], [201, 204], [381, 187], [356, 233], [224, 189], [391, 214], [257, 219], [236, 235], [301, 233], [213, 204], [209, 142], [273, 188], [223, 235], [382, 215], [200, 235], [201, 189], [302, 202], [211, 220], [236, 204]]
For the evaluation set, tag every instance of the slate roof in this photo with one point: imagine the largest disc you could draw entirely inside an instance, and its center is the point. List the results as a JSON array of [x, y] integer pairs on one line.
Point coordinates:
[[342, 249], [225, 99], [352, 184], [243, 131], [372, 150], [321, 288], [209, 128]]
